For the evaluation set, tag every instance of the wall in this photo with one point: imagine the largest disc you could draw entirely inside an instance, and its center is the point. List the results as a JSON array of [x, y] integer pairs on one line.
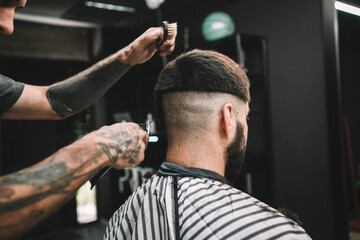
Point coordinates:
[[302, 176], [305, 111], [40, 41], [349, 37]]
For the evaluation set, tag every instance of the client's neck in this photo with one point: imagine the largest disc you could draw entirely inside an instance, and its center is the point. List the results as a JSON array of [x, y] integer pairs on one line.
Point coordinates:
[[202, 153]]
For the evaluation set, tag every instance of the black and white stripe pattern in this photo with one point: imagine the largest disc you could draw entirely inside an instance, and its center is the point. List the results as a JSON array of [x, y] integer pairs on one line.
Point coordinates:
[[208, 209]]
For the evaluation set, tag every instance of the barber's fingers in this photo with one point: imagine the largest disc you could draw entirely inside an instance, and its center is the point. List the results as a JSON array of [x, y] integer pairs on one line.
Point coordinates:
[[152, 35], [167, 47], [142, 134], [167, 44], [167, 52], [134, 154], [123, 143], [145, 46]]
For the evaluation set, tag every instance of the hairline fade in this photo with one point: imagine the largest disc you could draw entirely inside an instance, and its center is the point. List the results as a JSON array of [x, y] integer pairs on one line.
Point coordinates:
[[201, 71]]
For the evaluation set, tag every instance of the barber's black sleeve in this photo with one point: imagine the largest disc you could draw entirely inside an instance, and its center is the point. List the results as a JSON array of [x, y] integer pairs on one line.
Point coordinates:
[[10, 92]]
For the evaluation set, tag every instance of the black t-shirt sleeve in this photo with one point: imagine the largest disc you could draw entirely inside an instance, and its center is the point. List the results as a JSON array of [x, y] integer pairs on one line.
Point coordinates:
[[10, 92]]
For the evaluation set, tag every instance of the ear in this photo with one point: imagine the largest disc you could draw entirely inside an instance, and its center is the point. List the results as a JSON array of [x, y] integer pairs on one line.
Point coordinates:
[[228, 116]]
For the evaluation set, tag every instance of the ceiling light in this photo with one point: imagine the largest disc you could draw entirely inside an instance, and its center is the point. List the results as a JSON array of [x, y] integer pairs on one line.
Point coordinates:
[[347, 8], [217, 25], [110, 7], [153, 139], [153, 4], [53, 21]]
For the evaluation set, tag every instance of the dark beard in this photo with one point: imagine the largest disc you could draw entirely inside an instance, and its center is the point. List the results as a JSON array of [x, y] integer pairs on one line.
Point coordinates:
[[235, 155]]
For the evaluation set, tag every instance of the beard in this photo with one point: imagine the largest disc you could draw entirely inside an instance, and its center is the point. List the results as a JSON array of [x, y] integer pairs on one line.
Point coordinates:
[[235, 155]]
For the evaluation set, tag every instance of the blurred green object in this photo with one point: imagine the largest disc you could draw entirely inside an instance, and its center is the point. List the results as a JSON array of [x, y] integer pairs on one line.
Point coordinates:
[[217, 25]]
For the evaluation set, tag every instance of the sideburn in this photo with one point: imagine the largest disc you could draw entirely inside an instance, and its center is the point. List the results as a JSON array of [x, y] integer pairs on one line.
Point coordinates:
[[235, 155]]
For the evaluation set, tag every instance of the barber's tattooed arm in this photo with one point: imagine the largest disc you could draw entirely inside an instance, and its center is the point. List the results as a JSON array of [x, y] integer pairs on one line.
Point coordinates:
[[28, 196], [82, 90]]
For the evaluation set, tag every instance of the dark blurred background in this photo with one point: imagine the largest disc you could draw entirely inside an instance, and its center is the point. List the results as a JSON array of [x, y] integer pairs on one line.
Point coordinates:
[[302, 61]]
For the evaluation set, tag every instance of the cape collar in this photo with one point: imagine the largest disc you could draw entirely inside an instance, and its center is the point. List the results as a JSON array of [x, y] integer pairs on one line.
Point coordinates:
[[172, 169]]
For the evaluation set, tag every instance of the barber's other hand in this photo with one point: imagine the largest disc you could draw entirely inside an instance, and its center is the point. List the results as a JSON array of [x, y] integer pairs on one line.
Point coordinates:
[[145, 46], [123, 144]]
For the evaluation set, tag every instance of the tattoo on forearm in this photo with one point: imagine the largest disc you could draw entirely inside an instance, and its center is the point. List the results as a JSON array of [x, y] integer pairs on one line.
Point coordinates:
[[49, 180], [83, 89], [45, 180], [120, 146], [61, 174]]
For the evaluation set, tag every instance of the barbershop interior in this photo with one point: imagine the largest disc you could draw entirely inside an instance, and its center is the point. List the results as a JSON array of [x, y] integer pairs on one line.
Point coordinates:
[[302, 60]]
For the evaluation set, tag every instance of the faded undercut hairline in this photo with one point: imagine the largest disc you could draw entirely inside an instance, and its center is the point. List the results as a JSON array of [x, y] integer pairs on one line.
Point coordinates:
[[194, 111]]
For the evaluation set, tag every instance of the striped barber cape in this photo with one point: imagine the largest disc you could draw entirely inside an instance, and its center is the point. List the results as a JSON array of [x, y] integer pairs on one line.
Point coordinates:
[[205, 208]]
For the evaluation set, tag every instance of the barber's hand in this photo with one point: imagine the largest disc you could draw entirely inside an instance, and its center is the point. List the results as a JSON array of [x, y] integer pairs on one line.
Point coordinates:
[[123, 144], [145, 46]]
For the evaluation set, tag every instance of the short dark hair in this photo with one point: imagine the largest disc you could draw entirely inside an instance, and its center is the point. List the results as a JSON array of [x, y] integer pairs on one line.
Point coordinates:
[[201, 71]]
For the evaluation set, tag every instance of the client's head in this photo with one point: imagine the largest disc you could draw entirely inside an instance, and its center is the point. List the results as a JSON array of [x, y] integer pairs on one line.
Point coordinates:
[[202, 98]]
